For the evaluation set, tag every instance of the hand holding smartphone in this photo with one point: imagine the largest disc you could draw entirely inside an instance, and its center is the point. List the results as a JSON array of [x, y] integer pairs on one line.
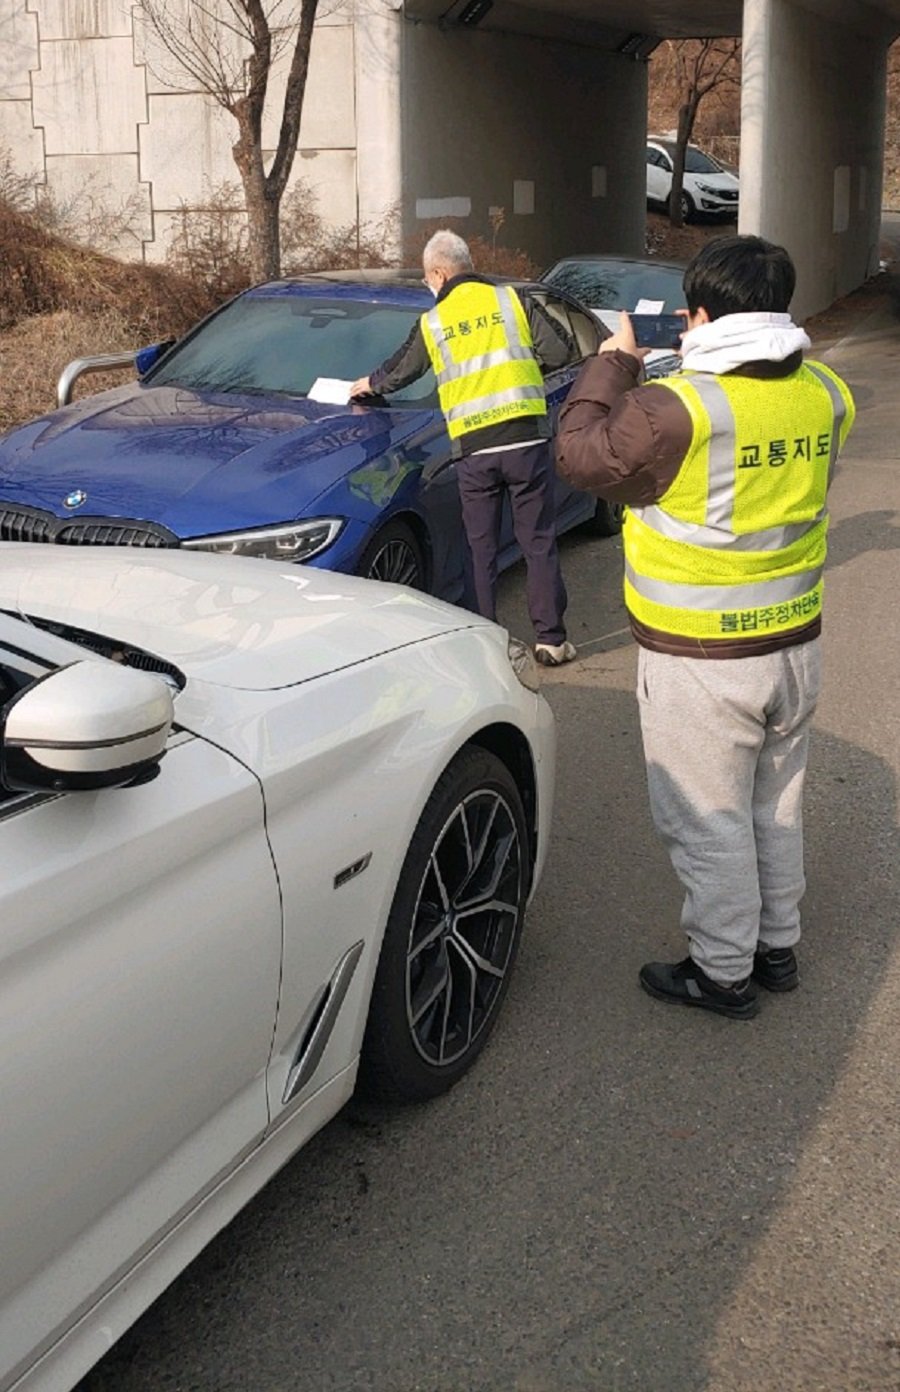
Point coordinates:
[[658, 330]]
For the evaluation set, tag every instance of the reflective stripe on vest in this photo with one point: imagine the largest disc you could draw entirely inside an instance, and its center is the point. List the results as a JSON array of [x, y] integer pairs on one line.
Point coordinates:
[[494, 402], [703, 562], [840, 411], [481, 350]]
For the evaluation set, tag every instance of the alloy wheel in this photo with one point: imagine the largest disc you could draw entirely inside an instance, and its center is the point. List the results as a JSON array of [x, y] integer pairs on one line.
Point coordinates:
[[396, 563], [464, 927]]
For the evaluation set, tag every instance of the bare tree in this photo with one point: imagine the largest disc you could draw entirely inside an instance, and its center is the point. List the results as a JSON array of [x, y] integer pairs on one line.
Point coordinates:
[[701, 65], [227, 48]]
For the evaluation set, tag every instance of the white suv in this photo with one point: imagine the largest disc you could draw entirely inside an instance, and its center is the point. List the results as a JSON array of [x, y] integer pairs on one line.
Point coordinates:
[[708, 188]]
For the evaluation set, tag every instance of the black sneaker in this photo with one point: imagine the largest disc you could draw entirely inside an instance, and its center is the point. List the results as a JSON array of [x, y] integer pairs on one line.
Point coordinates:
[[684, 983], [776, 968]]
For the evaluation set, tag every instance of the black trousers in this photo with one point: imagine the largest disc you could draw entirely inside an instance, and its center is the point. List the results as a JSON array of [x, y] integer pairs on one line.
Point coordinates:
[[526, 474]]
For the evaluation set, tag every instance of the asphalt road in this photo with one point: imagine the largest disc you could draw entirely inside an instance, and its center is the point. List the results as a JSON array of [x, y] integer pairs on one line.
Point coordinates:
[[622, 1195]]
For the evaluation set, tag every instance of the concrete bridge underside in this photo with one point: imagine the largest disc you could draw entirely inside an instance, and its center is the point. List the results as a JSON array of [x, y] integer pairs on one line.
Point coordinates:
[[539, 106]]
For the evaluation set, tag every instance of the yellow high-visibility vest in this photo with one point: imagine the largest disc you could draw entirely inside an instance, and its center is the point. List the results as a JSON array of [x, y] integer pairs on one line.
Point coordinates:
[[736, 546], [482, 353]]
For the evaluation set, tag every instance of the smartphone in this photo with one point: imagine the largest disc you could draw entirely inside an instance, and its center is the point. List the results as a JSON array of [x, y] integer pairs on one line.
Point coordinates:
[[658, 330]]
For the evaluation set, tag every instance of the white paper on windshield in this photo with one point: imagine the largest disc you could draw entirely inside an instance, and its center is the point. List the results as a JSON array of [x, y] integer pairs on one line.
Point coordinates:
[[648, 307], [334, 391]]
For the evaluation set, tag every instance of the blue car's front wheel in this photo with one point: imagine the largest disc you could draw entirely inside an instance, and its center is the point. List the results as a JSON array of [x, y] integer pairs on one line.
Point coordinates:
[[607, 519], [394, 555]]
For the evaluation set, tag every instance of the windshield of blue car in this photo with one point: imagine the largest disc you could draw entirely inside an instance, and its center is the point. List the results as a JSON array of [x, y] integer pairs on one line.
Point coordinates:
[[281, 344], [619, 284]]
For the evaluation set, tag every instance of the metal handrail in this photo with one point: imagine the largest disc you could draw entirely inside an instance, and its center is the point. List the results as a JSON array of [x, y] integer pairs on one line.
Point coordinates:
[[73, 370]]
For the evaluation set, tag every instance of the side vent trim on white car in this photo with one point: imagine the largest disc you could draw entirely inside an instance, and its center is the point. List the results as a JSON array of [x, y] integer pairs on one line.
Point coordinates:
[[321, 1023]]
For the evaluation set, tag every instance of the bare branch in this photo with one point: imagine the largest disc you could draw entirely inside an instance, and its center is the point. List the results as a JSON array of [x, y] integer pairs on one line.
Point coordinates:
[[258, 66], [716, 75], [226, 48], [295, 91], [678, 53], [240, 31], [195, 48]]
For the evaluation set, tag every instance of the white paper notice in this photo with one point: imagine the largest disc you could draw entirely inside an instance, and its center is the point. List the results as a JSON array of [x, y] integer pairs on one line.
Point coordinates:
[[331, 390], [648, 307]]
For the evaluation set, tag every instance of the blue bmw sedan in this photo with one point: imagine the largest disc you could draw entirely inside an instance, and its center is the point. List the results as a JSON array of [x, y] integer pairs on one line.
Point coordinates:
[[231, 441]]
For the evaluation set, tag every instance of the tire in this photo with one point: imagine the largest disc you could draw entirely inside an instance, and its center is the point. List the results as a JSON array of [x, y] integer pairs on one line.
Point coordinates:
[[442, 975], [394, 555], [687, 207], [607, 519]]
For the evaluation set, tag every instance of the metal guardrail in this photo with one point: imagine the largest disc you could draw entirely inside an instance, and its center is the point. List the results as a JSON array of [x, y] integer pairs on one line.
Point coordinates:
[[75, 369]]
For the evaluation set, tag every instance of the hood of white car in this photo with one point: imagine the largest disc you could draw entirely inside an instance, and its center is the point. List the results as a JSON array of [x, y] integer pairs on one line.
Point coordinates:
[[227, 620], [720, 180]]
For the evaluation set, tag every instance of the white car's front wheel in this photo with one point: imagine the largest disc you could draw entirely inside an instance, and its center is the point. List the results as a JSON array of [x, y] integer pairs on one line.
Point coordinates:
[[687, 207], [452, 934]]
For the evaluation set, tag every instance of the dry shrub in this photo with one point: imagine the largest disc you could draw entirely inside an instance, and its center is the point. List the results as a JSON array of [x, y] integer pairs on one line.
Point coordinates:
[[308, 243], [680, 243], [492, 259], [59, 301], [91, 217], [210, 242], [489, 256], [348, 248], [34, 353], [43, 273], [16, 189], [209, 245]]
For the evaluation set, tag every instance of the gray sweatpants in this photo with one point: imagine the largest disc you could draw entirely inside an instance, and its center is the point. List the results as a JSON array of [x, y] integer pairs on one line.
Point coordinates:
[[726, 743]]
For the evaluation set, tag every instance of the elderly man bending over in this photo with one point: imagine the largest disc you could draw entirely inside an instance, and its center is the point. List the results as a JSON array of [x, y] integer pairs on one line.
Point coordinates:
[[489, 354]]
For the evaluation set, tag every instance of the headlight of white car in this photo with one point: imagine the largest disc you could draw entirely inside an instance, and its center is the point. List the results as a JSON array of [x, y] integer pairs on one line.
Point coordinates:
[[524, 664], [293, 541], [707, 188]]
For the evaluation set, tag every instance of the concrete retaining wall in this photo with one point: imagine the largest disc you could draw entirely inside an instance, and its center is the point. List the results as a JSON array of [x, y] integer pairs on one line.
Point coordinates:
[[94, 106]]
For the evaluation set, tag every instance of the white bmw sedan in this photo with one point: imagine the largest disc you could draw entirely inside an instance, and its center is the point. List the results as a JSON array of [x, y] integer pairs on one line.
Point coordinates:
[[263, 829]]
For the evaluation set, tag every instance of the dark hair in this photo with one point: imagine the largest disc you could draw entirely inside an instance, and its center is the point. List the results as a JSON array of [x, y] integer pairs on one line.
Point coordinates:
[[740, 275]]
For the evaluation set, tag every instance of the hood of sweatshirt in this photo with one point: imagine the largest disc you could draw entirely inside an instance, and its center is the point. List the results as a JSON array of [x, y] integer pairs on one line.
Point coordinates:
[[735, 339]]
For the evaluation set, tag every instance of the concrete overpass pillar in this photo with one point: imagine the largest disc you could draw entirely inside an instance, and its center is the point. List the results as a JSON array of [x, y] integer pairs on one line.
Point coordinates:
[[812, 141], [550, 131]]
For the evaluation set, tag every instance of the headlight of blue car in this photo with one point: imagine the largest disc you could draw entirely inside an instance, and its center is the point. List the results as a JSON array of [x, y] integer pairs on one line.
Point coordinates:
[[291, 541]]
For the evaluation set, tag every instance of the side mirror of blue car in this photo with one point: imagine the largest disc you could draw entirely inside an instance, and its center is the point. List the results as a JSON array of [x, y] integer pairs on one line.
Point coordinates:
[[145, 358]]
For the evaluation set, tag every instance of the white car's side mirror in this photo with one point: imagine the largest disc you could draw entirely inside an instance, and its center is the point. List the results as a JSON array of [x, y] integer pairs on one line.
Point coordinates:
[[89, 725]]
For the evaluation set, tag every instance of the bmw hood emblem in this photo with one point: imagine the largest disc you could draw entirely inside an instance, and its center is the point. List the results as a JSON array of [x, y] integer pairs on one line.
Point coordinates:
[[74, 499]]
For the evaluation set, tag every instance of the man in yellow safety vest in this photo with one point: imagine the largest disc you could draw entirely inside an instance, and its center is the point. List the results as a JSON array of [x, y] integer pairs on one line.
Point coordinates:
[[487, 352], [725, 469]]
